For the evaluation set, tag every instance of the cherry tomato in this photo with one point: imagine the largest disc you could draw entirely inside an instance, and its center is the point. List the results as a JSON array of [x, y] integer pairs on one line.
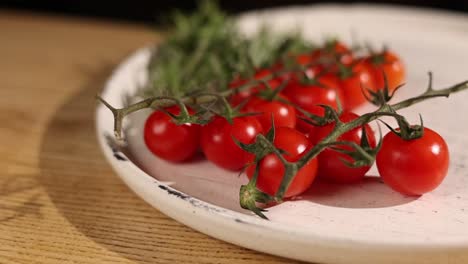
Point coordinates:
[[308, 96], [240, 96], [243, 95], [307, 129], [168, 140], [313, 69], [333, 49], [359, 76], [331, 166], [278, 68], [218, 145], [283, 114], [304, 59], [263, 73], [413, 167], [390, 64], [271, 171]]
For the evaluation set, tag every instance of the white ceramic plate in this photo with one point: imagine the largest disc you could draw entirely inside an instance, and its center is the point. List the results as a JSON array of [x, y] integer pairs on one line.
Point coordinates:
[[362, 223]]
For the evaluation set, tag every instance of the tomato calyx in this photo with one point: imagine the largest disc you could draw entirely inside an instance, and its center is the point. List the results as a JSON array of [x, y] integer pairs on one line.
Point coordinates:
[[184, 117], [227, 111], [406, 131], [378, 59], [362, 154], [306, 79], [263, 144], [250, 195], [338, 52], [345, 71], [380, 97], [330, 115], [270, 94]]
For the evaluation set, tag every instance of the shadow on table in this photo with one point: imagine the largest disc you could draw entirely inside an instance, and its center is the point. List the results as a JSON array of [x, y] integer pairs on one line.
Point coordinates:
[[90, 196]]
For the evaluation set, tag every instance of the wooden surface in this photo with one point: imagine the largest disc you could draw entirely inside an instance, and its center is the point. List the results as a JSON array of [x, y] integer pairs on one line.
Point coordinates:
[[60, 202]]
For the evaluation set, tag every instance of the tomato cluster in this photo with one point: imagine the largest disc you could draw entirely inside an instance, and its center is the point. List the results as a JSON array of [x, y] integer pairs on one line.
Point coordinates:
[[333, 76]]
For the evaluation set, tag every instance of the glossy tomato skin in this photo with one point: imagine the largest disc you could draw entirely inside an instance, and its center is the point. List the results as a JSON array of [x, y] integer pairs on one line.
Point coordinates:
[[306, 128], [390, 64], [331, 167], [284, 115], [271, 169], [313, 68], [168, 140], [241, 96], [308, 97], [413, 167], [351, 85], [218, 145]]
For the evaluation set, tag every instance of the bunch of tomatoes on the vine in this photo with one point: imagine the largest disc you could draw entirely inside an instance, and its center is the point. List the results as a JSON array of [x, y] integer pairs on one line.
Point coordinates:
[[412, 160]]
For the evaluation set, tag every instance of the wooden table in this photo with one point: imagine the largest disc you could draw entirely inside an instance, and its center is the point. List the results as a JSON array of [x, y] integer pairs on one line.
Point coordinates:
[[60, 202]]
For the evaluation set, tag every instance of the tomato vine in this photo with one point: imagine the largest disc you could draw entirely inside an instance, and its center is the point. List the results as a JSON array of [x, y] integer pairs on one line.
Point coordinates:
[[249, 194], [207, 73]]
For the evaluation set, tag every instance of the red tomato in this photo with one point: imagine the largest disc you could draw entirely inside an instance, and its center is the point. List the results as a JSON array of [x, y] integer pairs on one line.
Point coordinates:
[[331, 166], [304, 59], [283, 114], [168, 140], [308, 97], [264, 73], [351, 86], [243, 95], [282, 75], [240, 96], [313, 69], [390, 64], [218, 145], [413, 167], [271, 169], [307, 129], [333, 49]]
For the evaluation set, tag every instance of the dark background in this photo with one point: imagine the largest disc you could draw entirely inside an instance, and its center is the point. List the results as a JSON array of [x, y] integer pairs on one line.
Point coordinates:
[[151, 11]]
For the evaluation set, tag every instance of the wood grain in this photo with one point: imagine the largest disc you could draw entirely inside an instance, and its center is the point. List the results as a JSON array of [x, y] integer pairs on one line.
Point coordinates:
[[60, 202]]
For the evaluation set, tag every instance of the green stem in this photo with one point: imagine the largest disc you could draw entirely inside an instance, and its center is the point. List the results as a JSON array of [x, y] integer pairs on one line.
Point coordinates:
[[430, 93], [249, 194], [165, 101], [385, 110], [290, 168]]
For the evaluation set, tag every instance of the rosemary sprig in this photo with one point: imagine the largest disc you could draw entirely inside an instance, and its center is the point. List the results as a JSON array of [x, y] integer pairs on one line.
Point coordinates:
[[205, 51]]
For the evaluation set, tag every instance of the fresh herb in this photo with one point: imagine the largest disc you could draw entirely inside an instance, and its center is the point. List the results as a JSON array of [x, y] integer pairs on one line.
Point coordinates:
[[206, 51]]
